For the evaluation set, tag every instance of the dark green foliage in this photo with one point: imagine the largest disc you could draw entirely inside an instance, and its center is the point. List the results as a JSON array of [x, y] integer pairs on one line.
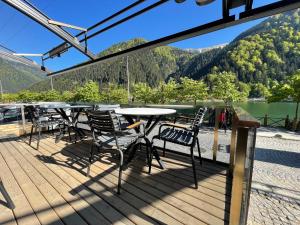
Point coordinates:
[[152, 67], [16, 76], [270, 50]]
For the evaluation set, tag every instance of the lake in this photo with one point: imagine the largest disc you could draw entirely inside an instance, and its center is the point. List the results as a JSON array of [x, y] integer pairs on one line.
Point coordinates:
[[274, 110], [259, 109]]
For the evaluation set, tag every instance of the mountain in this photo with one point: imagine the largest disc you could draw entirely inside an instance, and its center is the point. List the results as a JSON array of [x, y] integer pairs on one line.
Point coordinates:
[[15, 76], [269, 50], [151, 66]]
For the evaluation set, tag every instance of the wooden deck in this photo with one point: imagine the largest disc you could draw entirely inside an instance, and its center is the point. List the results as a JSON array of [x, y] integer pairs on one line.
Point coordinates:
[[49, 186]]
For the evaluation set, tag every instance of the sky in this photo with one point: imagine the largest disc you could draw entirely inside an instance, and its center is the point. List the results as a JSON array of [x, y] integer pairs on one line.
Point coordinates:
[[23, 35]]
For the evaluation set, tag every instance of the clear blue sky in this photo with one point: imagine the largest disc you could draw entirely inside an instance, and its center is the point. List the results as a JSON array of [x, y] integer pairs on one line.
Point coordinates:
[[23, 35]]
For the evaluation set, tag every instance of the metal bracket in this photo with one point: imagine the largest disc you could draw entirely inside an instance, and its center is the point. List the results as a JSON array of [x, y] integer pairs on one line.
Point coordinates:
[[230, 4]]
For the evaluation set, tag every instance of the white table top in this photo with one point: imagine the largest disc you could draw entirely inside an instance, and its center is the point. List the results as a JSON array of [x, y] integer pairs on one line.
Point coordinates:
[[171, 106], [145, 111]]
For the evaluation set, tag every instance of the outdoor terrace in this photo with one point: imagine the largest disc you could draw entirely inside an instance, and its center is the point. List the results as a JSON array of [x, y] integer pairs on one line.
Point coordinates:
[[49, 186]]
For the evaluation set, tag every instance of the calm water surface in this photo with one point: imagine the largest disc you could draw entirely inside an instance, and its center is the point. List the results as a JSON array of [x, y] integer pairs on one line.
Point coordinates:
[[274, 110]]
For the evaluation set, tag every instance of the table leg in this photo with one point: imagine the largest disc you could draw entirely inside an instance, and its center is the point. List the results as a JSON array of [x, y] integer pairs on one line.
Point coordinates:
[[155, 154], [148, 128]]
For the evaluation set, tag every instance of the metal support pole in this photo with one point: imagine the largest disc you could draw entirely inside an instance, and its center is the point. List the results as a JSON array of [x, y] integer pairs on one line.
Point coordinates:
[[128, 81], [51, 83], [1, 89]]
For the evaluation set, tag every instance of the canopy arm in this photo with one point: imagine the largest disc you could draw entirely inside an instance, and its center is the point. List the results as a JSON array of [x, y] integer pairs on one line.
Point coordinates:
[[33, 13], [148, 8], [106, 20]]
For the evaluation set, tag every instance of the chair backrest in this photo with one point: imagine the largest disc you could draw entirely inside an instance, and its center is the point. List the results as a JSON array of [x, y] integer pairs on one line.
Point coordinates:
[[198, 120], [32, 113], [103, 121]]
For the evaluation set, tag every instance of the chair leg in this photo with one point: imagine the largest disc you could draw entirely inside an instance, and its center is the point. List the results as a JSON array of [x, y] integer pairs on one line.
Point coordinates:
[[150, 158], [164, 149], [90, 160], [120, 171], [194, 167], [6, 196], [39, 138], [31, 132], [199, 152], [147, 155], [69, 132]]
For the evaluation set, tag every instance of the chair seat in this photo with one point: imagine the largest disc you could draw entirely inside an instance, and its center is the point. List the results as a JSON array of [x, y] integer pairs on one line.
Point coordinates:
[[124, 140], [177, 136]]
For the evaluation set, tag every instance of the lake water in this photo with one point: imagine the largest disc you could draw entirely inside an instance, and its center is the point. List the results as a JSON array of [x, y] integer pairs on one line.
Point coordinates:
[[274, 110], [259, 109]]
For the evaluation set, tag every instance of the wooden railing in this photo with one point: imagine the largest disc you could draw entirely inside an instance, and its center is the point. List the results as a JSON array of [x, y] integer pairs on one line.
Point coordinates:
[[242, 148]]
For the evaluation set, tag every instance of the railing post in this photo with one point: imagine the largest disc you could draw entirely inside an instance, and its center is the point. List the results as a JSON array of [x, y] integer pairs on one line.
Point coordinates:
[[266, 120], [238, 176], [287, 122]]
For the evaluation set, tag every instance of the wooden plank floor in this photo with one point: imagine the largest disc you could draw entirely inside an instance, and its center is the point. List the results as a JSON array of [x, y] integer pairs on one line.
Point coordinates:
[[49, 186]]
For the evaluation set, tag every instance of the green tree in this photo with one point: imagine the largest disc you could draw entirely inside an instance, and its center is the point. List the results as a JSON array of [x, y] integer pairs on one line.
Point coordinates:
[[142, 92], [49, 96], [88, 92], [67, 96], [244, 89], [114, 94], [224, 87], [192, 89], [27, 96], [259, 90], [288, 90], [166, 92], [9, 97]]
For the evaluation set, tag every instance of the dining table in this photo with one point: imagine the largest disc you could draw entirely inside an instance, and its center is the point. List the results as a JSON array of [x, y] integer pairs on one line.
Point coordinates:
[[152, 116], [68, 121]]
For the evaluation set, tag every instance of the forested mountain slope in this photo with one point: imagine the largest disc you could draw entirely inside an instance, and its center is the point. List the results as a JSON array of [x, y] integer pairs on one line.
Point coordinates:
[[151, 66], [16, 76], [267, 51], [270, 50]]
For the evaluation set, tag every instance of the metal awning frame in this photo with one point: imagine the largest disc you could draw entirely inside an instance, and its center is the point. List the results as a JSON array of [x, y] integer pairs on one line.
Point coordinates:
[[29, 10], [71, 41], [227, 21]]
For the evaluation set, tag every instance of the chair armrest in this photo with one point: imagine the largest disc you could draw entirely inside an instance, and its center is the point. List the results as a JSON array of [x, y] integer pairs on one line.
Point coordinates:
[[176, 125], [136, 124], [172, 125]]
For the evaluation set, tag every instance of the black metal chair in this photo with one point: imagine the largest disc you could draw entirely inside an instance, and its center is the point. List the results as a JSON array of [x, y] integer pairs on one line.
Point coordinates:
[[40, 121], [183, 135], [107, 134]]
